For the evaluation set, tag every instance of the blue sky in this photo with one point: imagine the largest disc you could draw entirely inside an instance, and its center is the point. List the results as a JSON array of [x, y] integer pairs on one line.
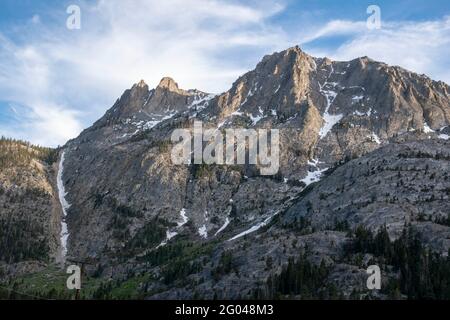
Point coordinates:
[[54, 81]]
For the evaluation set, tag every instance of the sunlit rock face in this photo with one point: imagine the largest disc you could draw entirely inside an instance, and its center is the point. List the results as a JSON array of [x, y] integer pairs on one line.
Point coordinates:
[[350, 133], [326, 111]]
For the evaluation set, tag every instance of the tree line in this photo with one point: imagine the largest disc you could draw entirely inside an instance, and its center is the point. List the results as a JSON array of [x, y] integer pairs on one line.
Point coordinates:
[[15, 152]]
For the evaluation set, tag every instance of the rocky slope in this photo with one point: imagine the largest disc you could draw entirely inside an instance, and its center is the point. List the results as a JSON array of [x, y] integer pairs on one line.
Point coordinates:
[[403, 183], [29, 210], [119, 174], [376, 135]]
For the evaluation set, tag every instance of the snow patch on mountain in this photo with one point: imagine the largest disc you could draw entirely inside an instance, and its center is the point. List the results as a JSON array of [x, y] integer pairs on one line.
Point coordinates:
[[426, 128], [226, 223], [258, 117], [172, 233], [237, 113], [64, 235], [255, 227], [184, 218], [315, 175], [330, 94], [375, 138], [356, 99], [150, 94], [143, 125], [201, 102], [203, 232]]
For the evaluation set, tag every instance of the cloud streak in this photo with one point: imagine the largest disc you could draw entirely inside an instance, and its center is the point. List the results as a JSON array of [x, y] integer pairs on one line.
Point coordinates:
[[61, 81], [421, 47], [67, 79]]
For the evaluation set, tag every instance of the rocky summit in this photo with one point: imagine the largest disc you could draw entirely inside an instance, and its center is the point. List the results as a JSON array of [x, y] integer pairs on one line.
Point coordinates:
[[363, 180]]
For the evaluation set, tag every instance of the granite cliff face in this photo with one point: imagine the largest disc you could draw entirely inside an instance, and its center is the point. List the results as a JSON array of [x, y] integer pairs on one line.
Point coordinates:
[[29, 207], [361, 144], [326, 112]]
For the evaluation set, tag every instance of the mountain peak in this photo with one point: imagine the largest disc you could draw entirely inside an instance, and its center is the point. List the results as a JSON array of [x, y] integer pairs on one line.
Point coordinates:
[[295, 49], [169, 84], [142, 84]]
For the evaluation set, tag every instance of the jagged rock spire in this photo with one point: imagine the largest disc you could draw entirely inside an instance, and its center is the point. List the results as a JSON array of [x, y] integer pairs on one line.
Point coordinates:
[[142, 84], [169, 84]]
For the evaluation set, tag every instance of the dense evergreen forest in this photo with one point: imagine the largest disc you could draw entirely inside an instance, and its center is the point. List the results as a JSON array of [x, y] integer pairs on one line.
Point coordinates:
[[423, 273], [22, 240], [22, 234], [20, 153], [419, 272]]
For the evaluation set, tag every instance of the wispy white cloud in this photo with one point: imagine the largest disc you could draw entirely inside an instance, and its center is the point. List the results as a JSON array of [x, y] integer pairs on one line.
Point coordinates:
[[333, 28], [421, 47], [63, 80], [65, 77], [36, 19], [26, 79]]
